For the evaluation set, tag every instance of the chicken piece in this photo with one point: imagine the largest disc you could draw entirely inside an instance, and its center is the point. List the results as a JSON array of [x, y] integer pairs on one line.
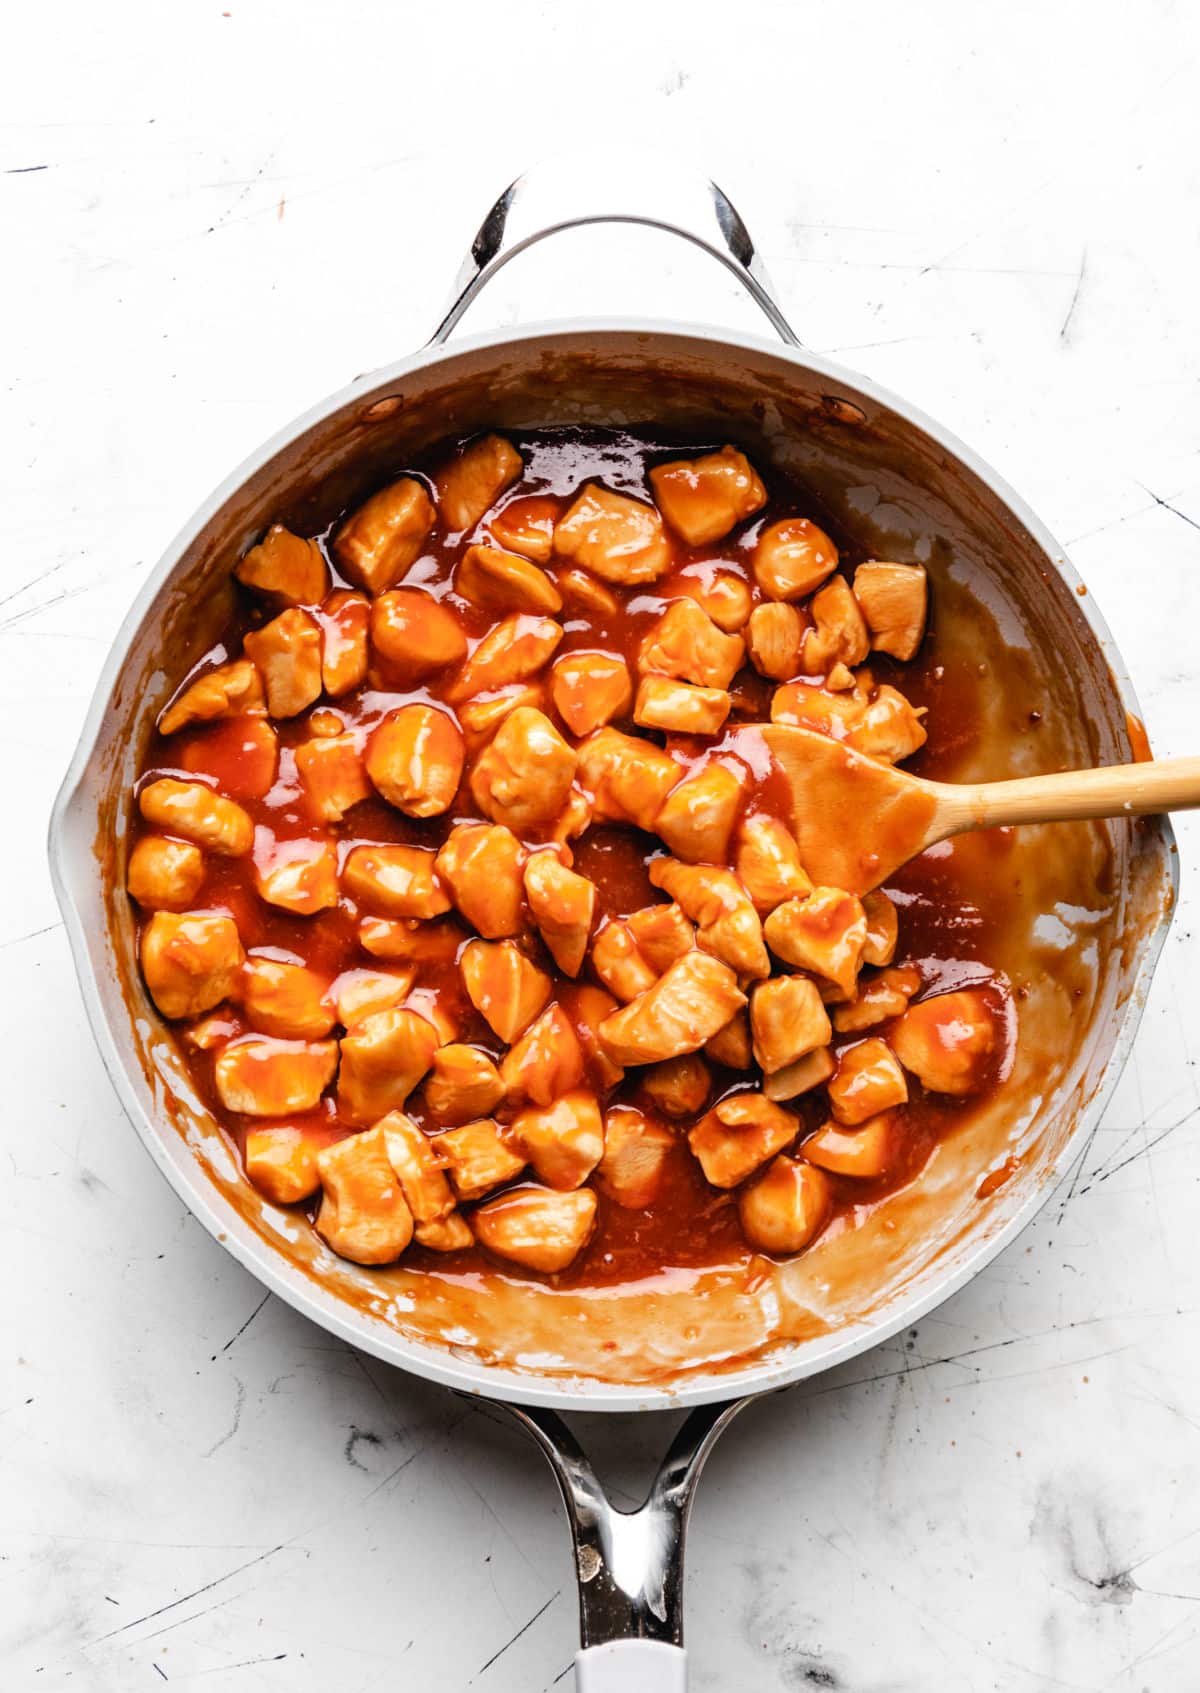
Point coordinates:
[[545, 1062], [696, 819], [662, 934], [481, 717], [210, 1033], [231, 690], [363, 1213], [839, 634], [882, 928], [332, 774], [394, 881], [686, 645], [524, 777], [505, 987], [481, 865], [583, 591], [562, 904], [240, 755], [191, 961], [504, 581], [875, 1001], [285, 999], [411, 942], [792, 558], [299, 875], [867, 1152], [282, 1164], [286, 567], [414, 758], [164, 875], [287, 654], [383, 1058], [889, 727], [768, 864], [727, 924], [721, 595], [574, 820], [731, 1046], [801, 1076], [198, 814], [513, 651], [679, 707], [829, 712], [526, 526], [787, 1021], [356, 994], [689, 1003], [636, 1150], [345, 620], [587, 1007], [773, 639], [616, 538], [418, 1168], [589, 689], [473, 479], [378, 543], [824, 933], [703, 499], [630, 954], [563, 1140], [478, 1158], [445, 1234], [680, 1086], [537, 1227], [738, 1135], [786, 1208], [894, 599], [415, 635], [876, 721], [947, 1041], [463, 1083], [263, 1076], [628, 779], [868, 1080]]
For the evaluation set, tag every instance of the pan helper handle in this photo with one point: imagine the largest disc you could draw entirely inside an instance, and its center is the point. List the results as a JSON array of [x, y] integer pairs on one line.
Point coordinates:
[[610, 185]]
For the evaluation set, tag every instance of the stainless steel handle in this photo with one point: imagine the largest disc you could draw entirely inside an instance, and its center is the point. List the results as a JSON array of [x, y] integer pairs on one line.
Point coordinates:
[[612, 186]]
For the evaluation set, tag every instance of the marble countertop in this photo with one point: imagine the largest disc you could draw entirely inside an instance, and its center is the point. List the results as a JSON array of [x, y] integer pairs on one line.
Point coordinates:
[[215, 216]]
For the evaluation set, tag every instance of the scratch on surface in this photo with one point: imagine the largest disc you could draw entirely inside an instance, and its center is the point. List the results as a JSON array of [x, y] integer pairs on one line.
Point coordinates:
[[237, 1419], [24, 170], [1066, 323], [246, 1324], [522, 1630], [31, 936], [194, 1594], [1105, 1171], [1167, 506], [257, 177]]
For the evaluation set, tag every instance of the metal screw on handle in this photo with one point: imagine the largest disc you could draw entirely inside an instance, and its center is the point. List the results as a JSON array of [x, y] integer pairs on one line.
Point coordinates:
[[612, 187]]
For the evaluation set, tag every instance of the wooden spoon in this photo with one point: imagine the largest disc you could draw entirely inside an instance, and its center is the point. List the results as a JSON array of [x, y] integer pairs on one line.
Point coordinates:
[[856, 820]]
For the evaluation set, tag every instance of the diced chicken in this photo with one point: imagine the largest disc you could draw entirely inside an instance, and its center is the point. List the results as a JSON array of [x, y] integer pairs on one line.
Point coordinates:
[[537, 1227], [504, 581], [662, 934], [830, 712], [738, 1135], [527, 526], [630, 954], [282, 1164], [164, 875], [191, 961], [886, 995], [545, 1062], [787, 1021], [894, 599], [824, 933], [383, 1058], [768, 864], [410, 942], [286, 567], [481, 865], [792, 558], [689, 1003], [209, 1033], [574, 819], [445, 1234], [627, 778], [505, 987], [524, 777], [839, 634], [697, 818], [587, 1007], [727, 924], [415, 635], [481, 717], [418, 1168], [345, 622], [589, 689], [867, 1152], [616, 538], [299, 875], [356, 994], [332, 774], [786, 1208], [562, 904], [801, 1076], [414, 758], [636, 1150], [285, 999], [704, 498], [868, 1080], [890, 728], [720, 594], [773, 639], [385, 536], [687, 645], [436, 1004], [463, 1083], [231, 690], [287, 654], [583, 591], [731, 1045], [882, 928], [680, 707], [947, 1041], [473, 479], [680, 1086], [395, 881], [263, 1076], [198, 814], [240, 754], [513, 651], [363, 1213], [563, 1140], [478, 1157]]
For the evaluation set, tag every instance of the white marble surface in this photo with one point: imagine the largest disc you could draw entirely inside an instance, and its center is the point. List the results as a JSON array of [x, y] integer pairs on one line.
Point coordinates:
[[212, 217]]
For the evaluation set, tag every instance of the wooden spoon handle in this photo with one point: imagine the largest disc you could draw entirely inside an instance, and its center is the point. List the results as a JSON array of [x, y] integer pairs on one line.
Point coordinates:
[[1166, 784]]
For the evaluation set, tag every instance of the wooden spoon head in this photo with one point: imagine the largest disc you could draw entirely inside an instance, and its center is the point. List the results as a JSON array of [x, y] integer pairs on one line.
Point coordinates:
[[855, 819]]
